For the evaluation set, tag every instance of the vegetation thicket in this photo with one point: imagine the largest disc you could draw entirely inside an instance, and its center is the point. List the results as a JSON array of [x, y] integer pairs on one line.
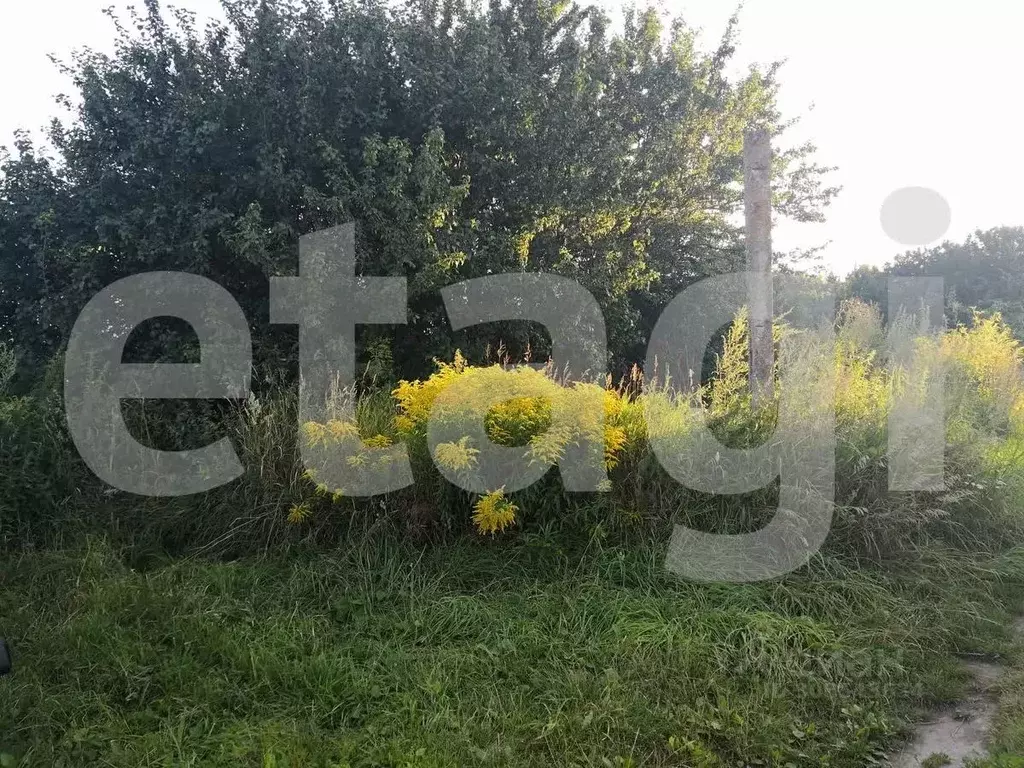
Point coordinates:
[[280, 620]]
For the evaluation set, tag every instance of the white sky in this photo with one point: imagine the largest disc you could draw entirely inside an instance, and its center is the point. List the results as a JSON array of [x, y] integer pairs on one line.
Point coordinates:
[[905, 93]]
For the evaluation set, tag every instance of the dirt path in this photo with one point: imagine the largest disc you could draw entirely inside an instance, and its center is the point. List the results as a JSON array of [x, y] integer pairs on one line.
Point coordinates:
[[961, 732]]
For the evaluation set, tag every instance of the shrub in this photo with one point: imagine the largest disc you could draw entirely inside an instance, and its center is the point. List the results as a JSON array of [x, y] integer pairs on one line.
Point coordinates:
[[539, 416], [519, 407], [39, 470]]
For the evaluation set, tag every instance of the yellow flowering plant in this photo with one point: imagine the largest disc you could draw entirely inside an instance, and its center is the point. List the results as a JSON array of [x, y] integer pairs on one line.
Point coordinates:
[[493, 513], [535, 412], [519, 407]]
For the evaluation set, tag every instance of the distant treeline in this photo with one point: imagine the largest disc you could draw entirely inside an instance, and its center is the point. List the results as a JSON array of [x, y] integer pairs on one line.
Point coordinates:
[[985, 272]]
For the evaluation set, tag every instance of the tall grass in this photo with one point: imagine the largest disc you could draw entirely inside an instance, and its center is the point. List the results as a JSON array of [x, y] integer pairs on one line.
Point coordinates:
[[546, 630], [981, 366], [514, 654], [278, 502]]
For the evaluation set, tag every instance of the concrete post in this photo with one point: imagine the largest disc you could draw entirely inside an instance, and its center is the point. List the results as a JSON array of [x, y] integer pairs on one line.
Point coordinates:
[[757, 157]]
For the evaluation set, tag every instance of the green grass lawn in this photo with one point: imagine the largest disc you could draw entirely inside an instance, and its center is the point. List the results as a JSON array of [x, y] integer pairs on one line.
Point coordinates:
[[478, 653]]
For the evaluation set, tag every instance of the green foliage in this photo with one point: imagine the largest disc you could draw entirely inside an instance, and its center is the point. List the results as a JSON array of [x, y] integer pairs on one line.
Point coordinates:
[[984, 402], [464, 140], [381, 653], [982, 273], [278, 502], [40, 473]]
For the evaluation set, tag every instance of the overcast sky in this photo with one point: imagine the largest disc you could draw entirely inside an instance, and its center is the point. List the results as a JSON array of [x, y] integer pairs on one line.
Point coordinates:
[[904, 93]]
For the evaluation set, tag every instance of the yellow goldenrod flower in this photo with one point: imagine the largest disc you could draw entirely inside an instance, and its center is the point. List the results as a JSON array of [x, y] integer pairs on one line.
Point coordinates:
[[612, 404], [315, 432], [494, 513], [455, 456], [614, 441], [549, 446], [299, 513], [342, 429], [378, 441]]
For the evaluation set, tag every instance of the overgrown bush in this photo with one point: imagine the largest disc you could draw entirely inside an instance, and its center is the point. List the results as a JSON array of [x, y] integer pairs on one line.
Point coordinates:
[[539, 416], [39, 470], [984, 415]]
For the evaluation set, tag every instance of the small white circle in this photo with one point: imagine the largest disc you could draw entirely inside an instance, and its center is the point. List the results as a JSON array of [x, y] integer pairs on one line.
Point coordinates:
[[915, 216]]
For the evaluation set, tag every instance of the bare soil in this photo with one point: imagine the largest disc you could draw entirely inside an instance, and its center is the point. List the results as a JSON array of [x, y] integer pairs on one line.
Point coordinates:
[[960, 732]]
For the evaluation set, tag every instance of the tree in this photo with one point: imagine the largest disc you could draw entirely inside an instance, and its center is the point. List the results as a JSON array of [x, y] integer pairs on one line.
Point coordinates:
[[464, 141], [985, 272]]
